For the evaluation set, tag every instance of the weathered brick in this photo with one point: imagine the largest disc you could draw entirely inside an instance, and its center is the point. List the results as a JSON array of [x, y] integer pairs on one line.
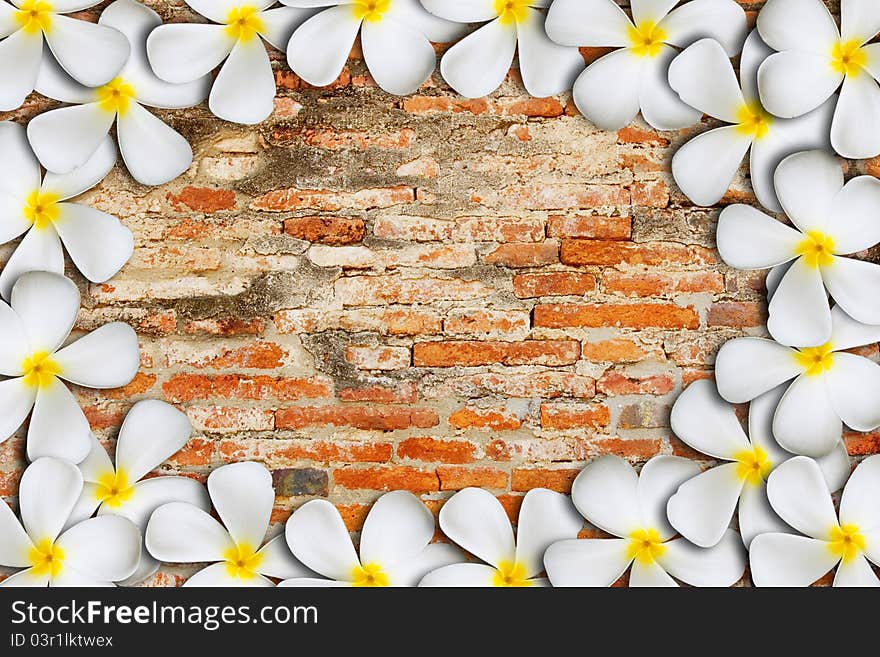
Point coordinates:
[[300, 481], [527, 286], [326, 230], [635, 315], [529, 352], [377, 418]]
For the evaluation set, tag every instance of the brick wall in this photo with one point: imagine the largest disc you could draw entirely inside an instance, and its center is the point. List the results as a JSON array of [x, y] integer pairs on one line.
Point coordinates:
[[368, 293]]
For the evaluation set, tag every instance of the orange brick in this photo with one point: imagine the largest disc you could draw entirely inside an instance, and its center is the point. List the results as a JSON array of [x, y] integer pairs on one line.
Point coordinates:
[[326, 230], [533, 254], [385, 478], [635, 315], [609, 252], [635, 449], [454, 477], [378, 358], [525, 479], [657, 284], [574, 416], [616, 383], [529, 352], [203, 199], [590, 227], [619, 350], [482, 418], [376, 418], [435, 449], [527, 286], [737, 314], [187, 387], [404, 393], [475, 322]]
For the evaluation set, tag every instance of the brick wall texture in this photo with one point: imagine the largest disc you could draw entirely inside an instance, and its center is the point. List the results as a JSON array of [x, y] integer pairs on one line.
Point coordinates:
[[369, 293]]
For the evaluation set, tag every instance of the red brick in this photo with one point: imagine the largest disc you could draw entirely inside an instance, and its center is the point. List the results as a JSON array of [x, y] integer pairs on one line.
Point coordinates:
[[737, 314], [436, 449], [590, 227], [608, 252], [203, 199], [454, 477], [529, 352], [527, 286], [476, 322], [532, 254], [326, 230], [482, 418], [635, 315], [525, 479], [616, 383], [376, 418], [659, 284], [388, 478], [619, 350], [403, 393], [574, 416]]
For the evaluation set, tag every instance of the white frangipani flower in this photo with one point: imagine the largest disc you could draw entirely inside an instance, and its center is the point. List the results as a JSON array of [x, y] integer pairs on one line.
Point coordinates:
[[702, 508], [244, 91], [849, 539], [830, 219], [477, 65], [395, 547], [92, 54], [151, 432], [396, 40], [614, 88], [98, 244], [243, 497], [815, 57], [830, 386], [705, 166], [475, 519], [154, 153], [33, 327], [94, 552], [632, 507]]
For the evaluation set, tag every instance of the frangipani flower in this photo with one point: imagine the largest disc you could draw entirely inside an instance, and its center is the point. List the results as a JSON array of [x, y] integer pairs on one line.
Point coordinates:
[[475, 520], [242, 495], [154, 153], [848, 540], [830, 386], [814, 58], [33, 327], [92, 54], [702, 508], [395, 546], [98, 244], [614, 88], [151, 432], [830, 219], [477, 65], [632, 507], [94, 552], [244, 91], [705, 166], [396, 40]]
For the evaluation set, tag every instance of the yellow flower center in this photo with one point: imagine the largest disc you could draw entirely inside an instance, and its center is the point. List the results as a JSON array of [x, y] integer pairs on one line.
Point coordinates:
[[244, 23], [510, 574], [41, 208], [815, 360], [114, 489], [645, 545], [46, 558], [647, 39], [848, 57], [846, 541], [512, 11], [817, 248], [242, 561], [753, 120], [115, 96], [34, 16], [753, 465], [40, 369], [370, 574]]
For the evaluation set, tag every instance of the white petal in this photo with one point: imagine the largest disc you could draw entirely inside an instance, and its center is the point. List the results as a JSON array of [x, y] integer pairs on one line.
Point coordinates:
[[279, 24], [797, 25], [397, 528], [318, 50], [106, 548], [53, 81], [217, 575], [704, 79], [26, 578], [476, 521], [461, 575], [807, 184], [438, 30], [606, 493], [799, 312], [547, 68], [854, 386], [720, 20], [15, 545], [651, 10], [835, 467], [108, 357], [705, 166], [8, 22], [851, 284], [722, 565], [243, 496], [98, 243], [587, 562], [847, 333], [756, 516], [594, 23], [47, 305], [607, 93], [218, 10], [805, 421], [183, 52], [754, 52], [14, 343], [859, 20], [661, 106], [147, 567], [659, 479], [793, 83], [853, 222], [96, 463], [703, 507], [855, 130], [47, 493], [860, 502], [66, 138], [650, 575], [399, 57], [799, 495], [244, 90], [181, 533], [788, 560], [40, 250], [477, 65], [319, 539], [86, 505], [21, 171], [20, 56], [278, 562], [544, 518], [151, 432], [58, 427], [703, 420], [83, 178], [749, 239], [434, 556], [461, 11], [16, 401], [857, 572], [746, 368], [761, 412], [773, 277], [154, 152], [92, 54], [150, 494]]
